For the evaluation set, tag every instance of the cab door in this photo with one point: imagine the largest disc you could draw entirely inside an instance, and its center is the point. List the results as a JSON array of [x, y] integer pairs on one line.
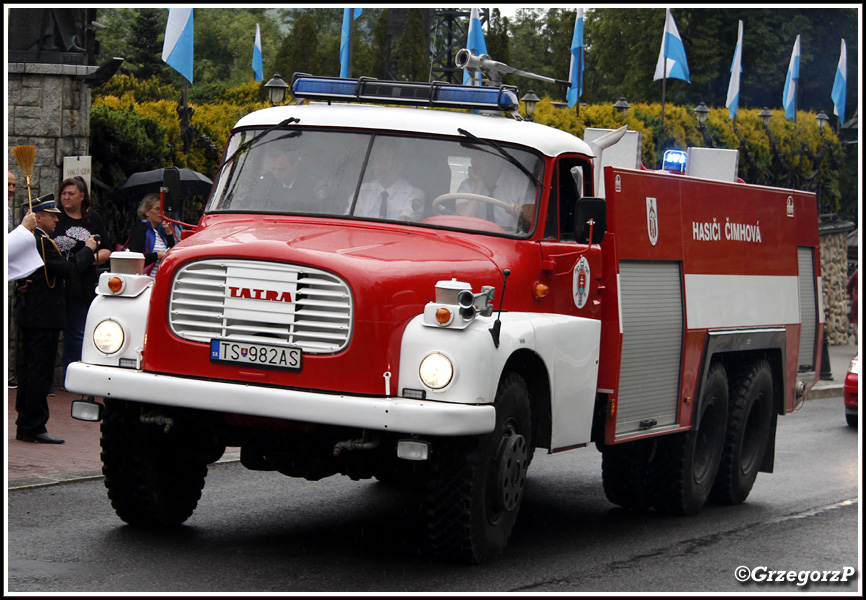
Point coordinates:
[[571, 270]]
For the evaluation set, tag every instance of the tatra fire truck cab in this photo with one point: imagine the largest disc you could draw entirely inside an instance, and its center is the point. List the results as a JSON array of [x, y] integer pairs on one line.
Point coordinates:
[[427, 296]]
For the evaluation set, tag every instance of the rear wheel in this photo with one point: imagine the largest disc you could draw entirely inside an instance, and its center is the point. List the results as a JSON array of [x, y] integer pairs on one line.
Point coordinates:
[[625, 473], [686, 463], [851, 419], [476, 485], [153, 477], [749, 419]]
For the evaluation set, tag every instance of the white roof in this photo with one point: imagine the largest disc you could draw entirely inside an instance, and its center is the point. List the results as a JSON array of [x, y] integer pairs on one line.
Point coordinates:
[[547, 140]]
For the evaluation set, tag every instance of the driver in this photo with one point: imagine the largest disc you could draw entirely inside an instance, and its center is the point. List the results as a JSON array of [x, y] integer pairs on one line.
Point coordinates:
[[491, 176], [279, 173]]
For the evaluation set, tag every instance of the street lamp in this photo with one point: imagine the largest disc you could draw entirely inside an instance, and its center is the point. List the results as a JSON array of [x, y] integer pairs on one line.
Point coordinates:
[[530, 100], [765, 116], [622, 106], [276, 89], [702, 112], [822, 119]]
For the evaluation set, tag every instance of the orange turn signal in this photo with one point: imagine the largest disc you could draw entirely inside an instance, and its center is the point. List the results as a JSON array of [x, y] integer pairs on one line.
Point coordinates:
[[443, 315], [541, 290], [115, 284]]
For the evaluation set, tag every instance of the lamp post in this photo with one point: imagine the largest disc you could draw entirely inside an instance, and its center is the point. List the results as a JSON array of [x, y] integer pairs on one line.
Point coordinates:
[[530, 101], [822, 119], [765, 116], [702, 111], [622, 106], [277, 89]]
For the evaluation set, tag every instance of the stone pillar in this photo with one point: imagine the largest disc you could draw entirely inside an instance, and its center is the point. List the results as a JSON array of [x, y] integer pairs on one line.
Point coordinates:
[[48, 107], [834, 275]]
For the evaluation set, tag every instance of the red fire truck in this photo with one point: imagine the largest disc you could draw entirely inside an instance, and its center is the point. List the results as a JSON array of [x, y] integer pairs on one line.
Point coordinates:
[[427, 296]]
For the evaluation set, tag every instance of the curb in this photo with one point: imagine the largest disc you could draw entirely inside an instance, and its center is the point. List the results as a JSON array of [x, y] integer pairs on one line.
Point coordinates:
[[62, 478], [824, 392]]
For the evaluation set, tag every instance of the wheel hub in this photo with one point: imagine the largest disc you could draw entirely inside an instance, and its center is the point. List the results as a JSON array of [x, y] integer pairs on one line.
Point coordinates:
[[511, 474]]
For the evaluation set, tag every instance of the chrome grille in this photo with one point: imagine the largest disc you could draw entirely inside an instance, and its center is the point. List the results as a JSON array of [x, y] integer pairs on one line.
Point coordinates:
[[256, 301]]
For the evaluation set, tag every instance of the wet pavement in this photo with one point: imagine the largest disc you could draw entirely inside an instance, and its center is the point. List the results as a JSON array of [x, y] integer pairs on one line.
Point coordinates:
[[31, 464]]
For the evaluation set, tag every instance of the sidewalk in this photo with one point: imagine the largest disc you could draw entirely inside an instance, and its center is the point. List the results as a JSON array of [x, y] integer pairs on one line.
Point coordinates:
[[45, 464]]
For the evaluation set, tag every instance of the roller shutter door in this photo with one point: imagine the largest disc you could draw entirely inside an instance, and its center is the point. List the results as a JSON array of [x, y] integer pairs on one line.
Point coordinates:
[[652, 325], [808, 308]]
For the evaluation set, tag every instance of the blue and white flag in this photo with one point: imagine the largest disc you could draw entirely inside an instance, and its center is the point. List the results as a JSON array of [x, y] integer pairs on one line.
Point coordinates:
[[840, 85], [578, 62], [789, 95], [349, 15], [258, 70], [177, 47], [474, 42], [736, 68], [672, 54]]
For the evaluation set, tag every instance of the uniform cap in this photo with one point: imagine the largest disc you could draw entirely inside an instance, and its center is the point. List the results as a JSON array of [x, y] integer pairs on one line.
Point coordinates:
[[45, 204]]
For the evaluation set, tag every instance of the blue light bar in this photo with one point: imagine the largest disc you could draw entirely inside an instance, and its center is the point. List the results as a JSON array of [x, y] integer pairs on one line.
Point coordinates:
[[674, 161], [503, 98]]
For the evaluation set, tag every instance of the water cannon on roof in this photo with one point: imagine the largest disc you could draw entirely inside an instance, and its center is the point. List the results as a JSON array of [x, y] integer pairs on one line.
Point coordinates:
[[495, 70]]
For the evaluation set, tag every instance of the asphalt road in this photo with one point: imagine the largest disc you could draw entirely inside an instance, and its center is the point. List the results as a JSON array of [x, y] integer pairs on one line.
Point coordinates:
[[263, 532]]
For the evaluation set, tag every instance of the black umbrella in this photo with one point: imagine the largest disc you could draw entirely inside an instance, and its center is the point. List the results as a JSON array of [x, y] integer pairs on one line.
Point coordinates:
[[192, 183]]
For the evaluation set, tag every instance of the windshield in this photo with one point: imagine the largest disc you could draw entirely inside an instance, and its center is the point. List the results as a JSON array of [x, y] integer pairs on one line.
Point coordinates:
[[450, 183]]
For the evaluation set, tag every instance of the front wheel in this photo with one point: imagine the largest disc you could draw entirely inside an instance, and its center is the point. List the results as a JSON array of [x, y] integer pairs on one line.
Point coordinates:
[[476, 485], [153, 477]]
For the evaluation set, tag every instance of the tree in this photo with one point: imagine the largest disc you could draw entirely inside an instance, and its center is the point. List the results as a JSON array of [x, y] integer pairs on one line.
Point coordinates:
[[299, 50], [413, 58], [497, 41], [146, 33], [614, 69]]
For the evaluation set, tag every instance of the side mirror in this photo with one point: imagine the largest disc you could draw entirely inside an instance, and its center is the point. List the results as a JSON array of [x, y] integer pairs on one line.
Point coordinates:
[[586, 209], [172, 201]]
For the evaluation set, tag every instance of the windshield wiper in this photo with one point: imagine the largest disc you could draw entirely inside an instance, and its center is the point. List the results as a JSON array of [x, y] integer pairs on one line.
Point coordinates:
[[502, 151], [246, 145]]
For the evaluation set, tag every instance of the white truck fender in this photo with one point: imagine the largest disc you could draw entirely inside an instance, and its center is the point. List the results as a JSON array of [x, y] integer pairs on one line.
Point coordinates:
[[127, 309], [568, 346]]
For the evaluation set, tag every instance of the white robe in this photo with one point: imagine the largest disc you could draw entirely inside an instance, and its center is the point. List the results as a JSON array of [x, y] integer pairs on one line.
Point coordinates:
[[24, 258]]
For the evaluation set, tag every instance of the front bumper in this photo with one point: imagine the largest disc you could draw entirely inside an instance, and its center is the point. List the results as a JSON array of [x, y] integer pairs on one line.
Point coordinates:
[[398, 415]]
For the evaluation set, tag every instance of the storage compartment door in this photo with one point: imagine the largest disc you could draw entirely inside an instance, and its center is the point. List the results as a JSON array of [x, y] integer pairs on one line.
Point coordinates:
[[651, 299], [808, 308]]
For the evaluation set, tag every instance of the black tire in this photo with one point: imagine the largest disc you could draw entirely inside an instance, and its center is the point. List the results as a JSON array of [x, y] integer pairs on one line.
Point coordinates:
[[851, 419], [685, 465], [625, 474], [476, 484], [749, 420], [152, 477]]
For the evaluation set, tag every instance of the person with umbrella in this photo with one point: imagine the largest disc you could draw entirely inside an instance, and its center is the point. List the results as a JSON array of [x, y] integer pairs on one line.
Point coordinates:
[[152, 235]]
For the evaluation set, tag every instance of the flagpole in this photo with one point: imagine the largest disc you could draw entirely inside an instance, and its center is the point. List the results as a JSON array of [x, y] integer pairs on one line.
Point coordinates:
[[351, 27]]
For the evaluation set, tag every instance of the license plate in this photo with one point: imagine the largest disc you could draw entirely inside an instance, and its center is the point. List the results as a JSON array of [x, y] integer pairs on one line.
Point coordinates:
[[259, 355]]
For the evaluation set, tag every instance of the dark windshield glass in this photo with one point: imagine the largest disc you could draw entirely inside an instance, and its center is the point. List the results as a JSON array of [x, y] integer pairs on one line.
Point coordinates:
[[430, 181]]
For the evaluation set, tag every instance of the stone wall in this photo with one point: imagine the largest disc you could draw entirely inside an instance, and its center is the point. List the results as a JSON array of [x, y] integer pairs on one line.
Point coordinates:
[[834, 274], [48, 107]]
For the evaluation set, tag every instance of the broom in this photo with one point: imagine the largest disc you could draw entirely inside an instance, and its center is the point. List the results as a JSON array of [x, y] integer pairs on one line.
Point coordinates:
[[26, 156]]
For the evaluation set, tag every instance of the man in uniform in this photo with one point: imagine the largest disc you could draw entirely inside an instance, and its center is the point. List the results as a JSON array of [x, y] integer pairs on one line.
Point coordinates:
[[40, 315]]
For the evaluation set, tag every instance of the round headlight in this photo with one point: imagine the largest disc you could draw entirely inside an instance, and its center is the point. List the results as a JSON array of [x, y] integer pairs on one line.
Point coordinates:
[[436, 371], [108, 337]]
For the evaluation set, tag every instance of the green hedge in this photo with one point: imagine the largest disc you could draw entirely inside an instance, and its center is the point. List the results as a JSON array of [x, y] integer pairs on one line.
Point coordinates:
[[139, 120]]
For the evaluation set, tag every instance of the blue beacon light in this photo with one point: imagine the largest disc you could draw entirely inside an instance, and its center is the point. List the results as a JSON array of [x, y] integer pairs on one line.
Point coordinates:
[[503, 98], [675, 161]]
